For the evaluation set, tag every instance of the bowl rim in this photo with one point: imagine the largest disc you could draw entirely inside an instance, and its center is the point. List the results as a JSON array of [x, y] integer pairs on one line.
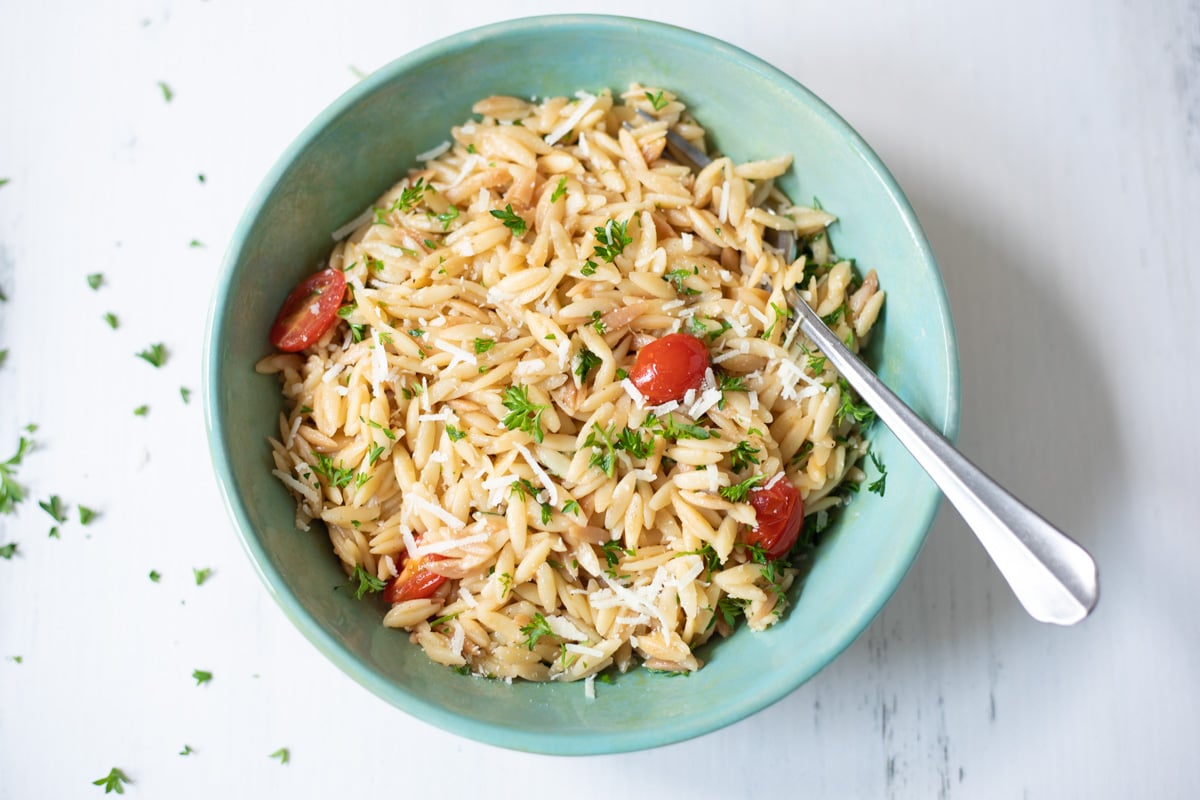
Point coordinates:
[[555, 743]]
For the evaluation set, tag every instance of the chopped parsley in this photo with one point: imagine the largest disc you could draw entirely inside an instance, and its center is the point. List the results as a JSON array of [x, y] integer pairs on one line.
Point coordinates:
[[523, 489], [185, 393], [155, 576], [201, 676], [571, 507], [11, 492], [283, 754], [588, 269], [373, 455], [155, 355], [167, 94], [3, 356], [367, 583], [731, 383], [454, 433], [559, 190], [780, 313], [670, 429], [112, 320], [95, 280], [708, 554], [547, 513], [447, 216], [8, 551], [657, 101], [195, 243], [587, 362], [598, 323], [409, 197], [729, 607], [141, 411], [187, 750], [483, 345], [879, 485], [54, 508], [676, 277], [743, 456], [511, 219], [523, 415], [535, 630], [202, 575], [86, 515], [612, 555], [858, 412], [337, 476], [738, 492], [115, 780], [611, 240]]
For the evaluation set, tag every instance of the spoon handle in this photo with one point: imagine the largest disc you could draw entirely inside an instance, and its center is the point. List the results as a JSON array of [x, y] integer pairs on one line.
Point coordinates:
[[1052, 576]]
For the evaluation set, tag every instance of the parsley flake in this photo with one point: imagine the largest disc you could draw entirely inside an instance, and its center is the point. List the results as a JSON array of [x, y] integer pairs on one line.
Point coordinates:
[[86, 515], [611, 239], [115, 780], [187, 750], [155, 576], [657, 100], [202, 575], [167, 94], [155, 355], [202, 676], [879, 485], [535, 630], [559, 190], [523, 414], [54, 508], [95, 280], [447, 216], [483, 345], [738, 492], [283, 754], [8, 551], [367, 583], [511, 219], [141, 411], [587, 362], [11, 492], [112, 320]]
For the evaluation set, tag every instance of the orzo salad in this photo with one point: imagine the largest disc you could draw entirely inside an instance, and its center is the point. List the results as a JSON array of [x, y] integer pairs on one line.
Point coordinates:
[[547, 398]]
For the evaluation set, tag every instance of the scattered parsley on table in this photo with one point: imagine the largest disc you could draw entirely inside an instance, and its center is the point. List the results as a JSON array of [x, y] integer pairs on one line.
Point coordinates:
[[114, 781]]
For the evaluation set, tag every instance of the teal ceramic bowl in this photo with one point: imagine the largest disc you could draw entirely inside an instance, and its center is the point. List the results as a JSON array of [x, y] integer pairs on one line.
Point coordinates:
[[361, 145]]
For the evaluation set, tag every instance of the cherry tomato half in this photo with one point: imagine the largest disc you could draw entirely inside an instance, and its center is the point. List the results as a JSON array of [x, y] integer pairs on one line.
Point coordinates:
[[666, 368], [780, 512], [309, 311], [415, 581]]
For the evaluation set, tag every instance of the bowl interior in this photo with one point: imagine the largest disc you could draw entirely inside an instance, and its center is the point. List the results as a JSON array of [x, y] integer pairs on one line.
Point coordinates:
[[365, 142]]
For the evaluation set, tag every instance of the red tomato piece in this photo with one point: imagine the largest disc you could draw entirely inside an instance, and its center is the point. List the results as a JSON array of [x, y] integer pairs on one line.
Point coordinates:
[[415, 581], [309, 311], [780, 512], [666, 368]]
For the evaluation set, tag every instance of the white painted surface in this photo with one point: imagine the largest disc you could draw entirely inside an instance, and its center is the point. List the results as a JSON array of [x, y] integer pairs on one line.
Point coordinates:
[[1052, 151]]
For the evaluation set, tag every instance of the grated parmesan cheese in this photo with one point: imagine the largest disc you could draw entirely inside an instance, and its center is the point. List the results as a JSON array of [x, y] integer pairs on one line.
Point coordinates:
[[585, 105]]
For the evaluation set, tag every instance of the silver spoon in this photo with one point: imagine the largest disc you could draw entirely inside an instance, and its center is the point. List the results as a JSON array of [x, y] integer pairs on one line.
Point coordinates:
[[1053, 577]]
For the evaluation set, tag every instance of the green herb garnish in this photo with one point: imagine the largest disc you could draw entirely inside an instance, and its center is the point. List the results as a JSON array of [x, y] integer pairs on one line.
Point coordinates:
[[587, 362], [738, 492], [155, 355], [879, 485], [559, 190], [536, 630], [201, 676], [523, 415], [367, 582], [115, 780], [611, 240], [511, 219]]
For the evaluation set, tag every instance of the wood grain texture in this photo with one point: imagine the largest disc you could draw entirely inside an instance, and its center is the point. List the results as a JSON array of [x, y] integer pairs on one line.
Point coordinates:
[[1052, 152]]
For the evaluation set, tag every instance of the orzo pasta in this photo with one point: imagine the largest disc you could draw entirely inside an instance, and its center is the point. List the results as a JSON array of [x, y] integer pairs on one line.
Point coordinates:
[[482, 427]]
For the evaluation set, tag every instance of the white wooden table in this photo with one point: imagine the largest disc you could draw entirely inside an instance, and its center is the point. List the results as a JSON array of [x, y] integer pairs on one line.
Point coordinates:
[[1052, 151]]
